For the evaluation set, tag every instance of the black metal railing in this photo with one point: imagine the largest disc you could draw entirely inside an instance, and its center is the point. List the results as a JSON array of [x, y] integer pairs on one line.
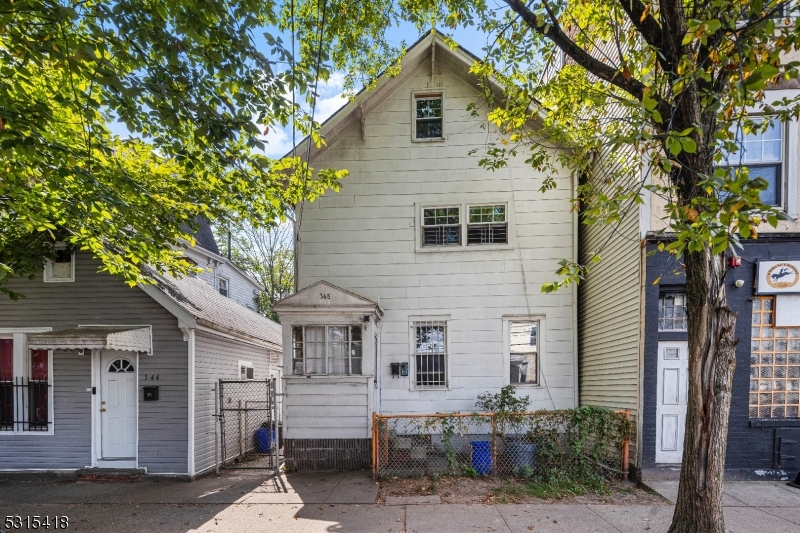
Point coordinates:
[[24, 405]]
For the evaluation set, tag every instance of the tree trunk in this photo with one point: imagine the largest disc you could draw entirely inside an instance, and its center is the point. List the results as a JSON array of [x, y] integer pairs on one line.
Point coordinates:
[[712, 360]]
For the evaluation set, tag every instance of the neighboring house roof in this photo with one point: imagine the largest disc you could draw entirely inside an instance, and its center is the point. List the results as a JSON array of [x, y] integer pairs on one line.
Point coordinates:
[[205, 236], [209, 308]]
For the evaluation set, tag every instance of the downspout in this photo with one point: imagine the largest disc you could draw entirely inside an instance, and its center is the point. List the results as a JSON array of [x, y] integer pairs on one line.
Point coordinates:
[[189, 335], [575, 291]]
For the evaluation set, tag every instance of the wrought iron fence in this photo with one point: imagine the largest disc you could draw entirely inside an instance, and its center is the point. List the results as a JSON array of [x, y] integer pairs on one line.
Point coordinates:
[[572, 444], [250, 424], [25, 405]]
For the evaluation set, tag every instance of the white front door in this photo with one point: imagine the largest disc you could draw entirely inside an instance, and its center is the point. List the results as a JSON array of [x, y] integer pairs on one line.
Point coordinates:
[[118, 398], [673, 385]]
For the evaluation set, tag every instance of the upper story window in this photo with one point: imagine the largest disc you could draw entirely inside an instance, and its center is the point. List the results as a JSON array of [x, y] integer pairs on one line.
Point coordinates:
[[331, 350], [524, 347], [487, 225], [428, 116], [441, 226], [762, 153], [222, 286], [60, 269], [672, 312]]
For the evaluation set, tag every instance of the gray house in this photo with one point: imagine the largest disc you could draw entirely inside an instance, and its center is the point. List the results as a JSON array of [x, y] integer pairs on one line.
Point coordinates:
[[97, 374]]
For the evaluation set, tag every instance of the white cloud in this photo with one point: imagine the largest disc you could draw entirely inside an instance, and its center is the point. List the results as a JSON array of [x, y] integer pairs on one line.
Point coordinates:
[[328, 106], [277, 142]]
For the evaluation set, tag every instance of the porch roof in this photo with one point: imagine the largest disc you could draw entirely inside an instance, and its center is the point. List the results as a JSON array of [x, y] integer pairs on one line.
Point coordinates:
[[133, 338]]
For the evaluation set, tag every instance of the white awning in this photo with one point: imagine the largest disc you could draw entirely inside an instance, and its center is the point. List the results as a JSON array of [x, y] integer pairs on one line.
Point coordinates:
[[130, 338]]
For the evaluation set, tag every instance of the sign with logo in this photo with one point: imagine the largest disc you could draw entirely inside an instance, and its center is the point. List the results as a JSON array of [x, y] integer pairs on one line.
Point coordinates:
[[778, 277]]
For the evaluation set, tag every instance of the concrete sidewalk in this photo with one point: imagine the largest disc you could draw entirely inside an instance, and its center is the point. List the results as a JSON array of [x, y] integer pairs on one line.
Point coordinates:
[[240, 502]]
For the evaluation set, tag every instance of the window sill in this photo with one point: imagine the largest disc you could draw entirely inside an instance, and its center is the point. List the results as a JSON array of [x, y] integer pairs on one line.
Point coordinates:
[[464, 248], [775, 423], [20, 433], [431, 140], [340, 377]]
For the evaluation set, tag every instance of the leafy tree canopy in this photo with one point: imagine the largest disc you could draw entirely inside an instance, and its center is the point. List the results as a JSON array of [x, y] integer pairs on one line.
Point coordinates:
[[189, 80]]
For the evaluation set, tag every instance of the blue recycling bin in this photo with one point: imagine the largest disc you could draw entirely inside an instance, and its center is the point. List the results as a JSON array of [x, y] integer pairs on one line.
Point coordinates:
[[264, 438], [482, 457]]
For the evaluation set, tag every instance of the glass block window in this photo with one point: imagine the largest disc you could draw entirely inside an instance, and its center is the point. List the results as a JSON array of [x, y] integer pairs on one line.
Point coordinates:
[[524, 344], [672, 312], [762, 154], [326, 350], [487, 225], [441, 226], [430, 355], [774, 364], [428, 116]]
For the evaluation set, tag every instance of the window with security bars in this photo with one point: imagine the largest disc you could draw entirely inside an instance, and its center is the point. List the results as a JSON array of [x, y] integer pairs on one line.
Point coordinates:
[[441, 226], [430, 355], [487, 225], [774, 364], [428, 116], [672, 312], [25, 402], [331, 350]]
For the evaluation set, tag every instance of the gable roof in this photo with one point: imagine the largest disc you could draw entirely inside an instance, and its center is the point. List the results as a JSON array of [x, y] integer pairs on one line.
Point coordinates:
[[430, 45], [338, 298], [200, 302]]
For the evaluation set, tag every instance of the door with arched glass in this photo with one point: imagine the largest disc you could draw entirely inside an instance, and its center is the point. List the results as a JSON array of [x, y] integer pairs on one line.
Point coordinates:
[[118, 398]]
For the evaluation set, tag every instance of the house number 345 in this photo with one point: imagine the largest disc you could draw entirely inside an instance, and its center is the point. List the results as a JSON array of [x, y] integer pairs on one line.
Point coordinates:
[[324, 296]]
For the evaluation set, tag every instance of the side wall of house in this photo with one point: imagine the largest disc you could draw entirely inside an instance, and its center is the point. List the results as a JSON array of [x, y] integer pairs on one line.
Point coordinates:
[[365, 239], [218, 358], [609, 308], [100, 299]]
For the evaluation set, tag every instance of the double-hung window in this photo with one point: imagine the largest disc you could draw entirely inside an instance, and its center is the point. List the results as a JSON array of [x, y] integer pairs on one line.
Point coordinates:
[[430, 355], [761, 152], [672, 312], [524, 348], [487, 225], [25, 393], [222, 286], [441, 226], [428, 116], [331, 350]]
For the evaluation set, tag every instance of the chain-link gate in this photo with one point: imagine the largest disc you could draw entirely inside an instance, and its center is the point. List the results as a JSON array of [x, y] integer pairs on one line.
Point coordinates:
[[249, 417]]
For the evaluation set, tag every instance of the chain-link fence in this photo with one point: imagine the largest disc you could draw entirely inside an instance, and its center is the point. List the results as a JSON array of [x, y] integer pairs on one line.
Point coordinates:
[[575, 444], [250, 431]]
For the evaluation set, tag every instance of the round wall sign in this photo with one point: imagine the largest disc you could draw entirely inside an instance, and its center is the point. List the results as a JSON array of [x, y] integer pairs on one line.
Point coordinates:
[[783, 276]]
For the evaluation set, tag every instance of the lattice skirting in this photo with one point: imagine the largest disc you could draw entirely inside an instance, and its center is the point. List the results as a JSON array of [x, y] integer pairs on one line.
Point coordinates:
[[328, 454]]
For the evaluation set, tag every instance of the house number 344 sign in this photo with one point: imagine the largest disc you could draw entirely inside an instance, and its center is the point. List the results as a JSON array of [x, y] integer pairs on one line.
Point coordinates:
[[778, 277]]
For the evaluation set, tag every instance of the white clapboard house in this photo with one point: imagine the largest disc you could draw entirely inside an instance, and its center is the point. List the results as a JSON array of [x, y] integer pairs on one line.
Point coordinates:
[[419, 283]]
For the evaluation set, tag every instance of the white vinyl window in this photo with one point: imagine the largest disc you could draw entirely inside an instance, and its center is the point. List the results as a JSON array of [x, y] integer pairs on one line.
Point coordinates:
[[441, 226], [762, 154], [61, 269], [428, 117], [222, 286], [429, 354], [326, 350], [524, 351], [487, 224], [246, 370]]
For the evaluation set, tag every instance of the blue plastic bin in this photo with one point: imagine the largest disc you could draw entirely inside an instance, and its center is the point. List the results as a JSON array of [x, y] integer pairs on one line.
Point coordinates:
[[482, 457], [264, 438]]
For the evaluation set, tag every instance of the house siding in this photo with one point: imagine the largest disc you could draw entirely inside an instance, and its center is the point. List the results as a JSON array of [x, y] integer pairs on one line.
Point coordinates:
[[609, 316], [99, 298], [218, 358], [364, 239]]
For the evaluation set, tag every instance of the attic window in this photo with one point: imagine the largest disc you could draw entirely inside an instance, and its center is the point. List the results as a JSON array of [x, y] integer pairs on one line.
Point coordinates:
[[222, 286], [61, 268], [428, 116]]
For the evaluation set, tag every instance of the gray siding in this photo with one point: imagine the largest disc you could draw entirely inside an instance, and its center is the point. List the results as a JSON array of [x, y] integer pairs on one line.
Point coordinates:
[[99, 298], [218, 358]]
